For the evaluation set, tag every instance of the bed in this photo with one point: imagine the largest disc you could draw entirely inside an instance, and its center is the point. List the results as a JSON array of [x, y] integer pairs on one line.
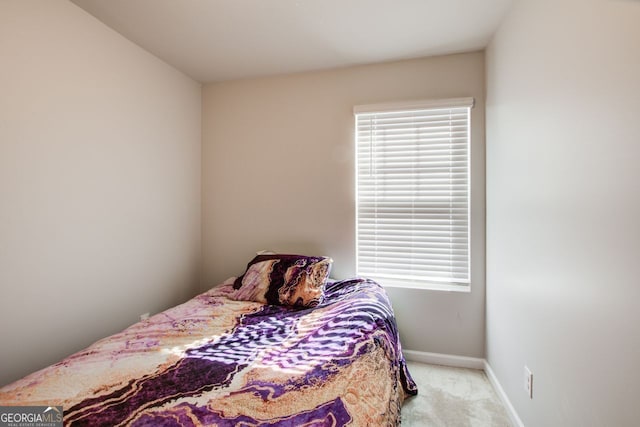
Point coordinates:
[[237, 356]]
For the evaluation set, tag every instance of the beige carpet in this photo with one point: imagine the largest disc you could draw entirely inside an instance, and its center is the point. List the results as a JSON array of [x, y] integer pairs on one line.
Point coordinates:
[[452, 397]]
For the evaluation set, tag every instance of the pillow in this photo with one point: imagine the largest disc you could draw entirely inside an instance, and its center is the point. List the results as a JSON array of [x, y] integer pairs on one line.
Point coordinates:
[[291, 280]]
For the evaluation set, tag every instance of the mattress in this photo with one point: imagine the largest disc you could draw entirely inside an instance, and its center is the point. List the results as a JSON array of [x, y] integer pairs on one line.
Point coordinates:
[[217, 361]]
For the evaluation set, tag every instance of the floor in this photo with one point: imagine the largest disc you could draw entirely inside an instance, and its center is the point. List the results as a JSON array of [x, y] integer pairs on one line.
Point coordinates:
[[452, 397]]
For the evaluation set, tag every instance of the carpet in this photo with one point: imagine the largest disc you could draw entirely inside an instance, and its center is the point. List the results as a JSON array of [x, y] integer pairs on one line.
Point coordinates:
[[452, 397]]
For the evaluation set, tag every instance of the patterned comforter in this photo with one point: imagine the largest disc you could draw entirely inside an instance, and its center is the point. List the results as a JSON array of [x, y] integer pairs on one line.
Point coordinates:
[[215, 361]]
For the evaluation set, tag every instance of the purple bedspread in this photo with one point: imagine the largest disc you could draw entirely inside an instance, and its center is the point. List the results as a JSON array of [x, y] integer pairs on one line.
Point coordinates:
[[215, 361]]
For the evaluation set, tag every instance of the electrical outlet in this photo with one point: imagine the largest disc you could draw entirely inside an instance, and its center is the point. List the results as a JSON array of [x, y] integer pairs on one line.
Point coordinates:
[[528, 382], [144, 316]]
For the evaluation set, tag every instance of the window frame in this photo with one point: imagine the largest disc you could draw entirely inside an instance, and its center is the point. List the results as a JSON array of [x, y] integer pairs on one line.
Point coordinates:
[[409, 106]]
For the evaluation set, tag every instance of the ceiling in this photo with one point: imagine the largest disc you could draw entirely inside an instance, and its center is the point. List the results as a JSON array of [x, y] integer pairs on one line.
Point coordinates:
[[215, 40]]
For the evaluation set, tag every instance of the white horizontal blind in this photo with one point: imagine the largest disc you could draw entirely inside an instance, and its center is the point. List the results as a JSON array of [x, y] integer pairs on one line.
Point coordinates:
[[413, 192]]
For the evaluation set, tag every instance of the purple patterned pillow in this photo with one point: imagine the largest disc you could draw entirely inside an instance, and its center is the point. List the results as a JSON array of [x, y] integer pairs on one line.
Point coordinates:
[[293, 280]]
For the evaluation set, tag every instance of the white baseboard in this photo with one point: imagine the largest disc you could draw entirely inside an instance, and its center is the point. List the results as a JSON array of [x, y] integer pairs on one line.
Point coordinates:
[[444, 359], [513, 415], [467, 362]]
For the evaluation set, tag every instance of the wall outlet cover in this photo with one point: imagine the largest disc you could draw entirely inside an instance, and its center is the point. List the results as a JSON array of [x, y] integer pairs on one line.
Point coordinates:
[[528, 382]]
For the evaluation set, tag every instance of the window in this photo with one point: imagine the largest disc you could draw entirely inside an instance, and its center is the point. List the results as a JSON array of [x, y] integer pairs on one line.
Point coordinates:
[[413, 195]]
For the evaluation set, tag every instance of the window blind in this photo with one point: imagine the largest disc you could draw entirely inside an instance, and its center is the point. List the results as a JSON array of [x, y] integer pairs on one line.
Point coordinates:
[[413, 192]]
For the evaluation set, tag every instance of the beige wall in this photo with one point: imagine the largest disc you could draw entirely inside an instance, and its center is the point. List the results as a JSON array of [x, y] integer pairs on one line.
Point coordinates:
[[99, 183], [278, 173], [563, 210]]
